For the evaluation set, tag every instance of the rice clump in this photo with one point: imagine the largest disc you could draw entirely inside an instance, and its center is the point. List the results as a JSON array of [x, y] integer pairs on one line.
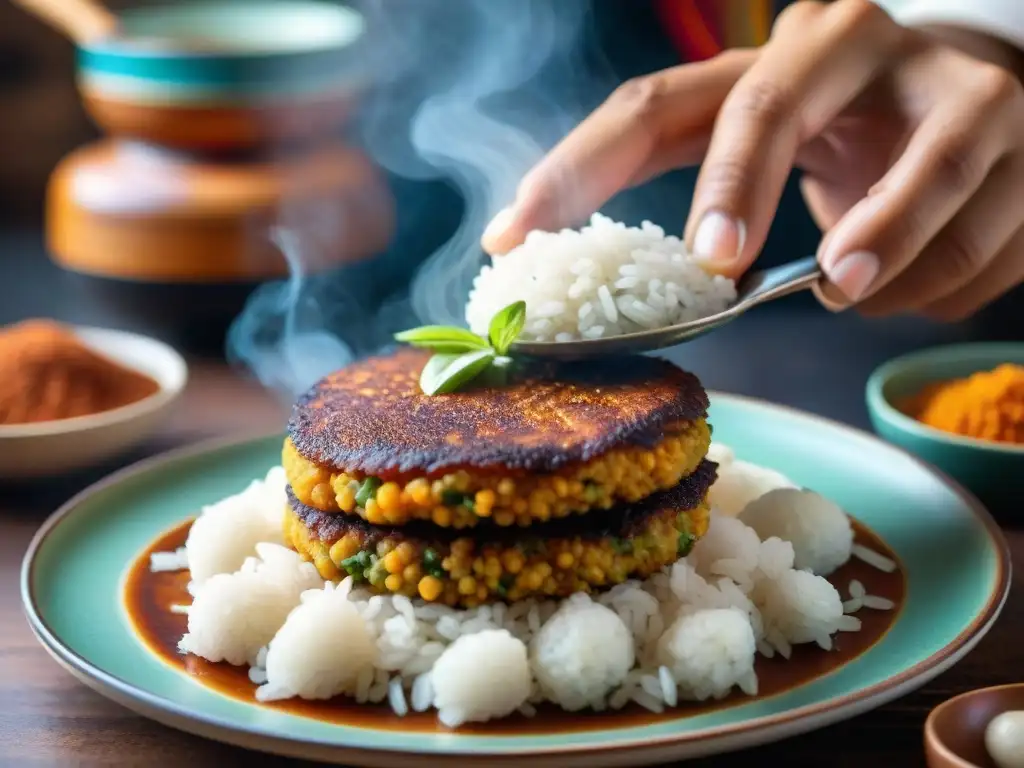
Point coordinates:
[[605, 279], [582, 653], [819, 531], [741, 482], [693, 631], [227, 532], [233, 615], [481, 676], [709, 652], [321, 651]]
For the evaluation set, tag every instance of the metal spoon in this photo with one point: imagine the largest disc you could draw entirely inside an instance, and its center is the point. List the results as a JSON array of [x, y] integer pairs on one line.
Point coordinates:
[[752, 289]]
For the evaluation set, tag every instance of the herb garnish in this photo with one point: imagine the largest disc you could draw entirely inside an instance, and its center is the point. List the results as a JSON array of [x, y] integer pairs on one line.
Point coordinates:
[[460, 355]]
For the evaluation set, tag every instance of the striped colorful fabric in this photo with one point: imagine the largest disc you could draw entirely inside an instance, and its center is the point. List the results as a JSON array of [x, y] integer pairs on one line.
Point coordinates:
[[701, 29]]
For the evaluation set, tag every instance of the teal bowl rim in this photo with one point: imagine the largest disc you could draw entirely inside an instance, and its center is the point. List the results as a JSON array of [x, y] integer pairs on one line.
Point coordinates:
[[119, 48], [880, 406]]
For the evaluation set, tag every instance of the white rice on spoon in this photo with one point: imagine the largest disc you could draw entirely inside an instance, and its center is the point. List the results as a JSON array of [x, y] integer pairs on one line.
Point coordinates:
[[603, 280]]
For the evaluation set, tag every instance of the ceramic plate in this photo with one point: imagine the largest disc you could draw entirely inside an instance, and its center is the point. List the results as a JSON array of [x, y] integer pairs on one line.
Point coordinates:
[[954, 559]]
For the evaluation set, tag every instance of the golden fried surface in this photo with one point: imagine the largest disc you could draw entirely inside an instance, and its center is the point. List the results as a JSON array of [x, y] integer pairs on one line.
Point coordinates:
[[372, 418], [463, 498], [466, 569]]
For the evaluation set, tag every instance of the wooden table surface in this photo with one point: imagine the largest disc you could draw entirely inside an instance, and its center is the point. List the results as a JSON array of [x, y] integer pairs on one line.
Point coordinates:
[[47, 718]]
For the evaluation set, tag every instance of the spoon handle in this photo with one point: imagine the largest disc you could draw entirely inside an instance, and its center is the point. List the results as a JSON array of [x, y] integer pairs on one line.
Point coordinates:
[[777, 282]]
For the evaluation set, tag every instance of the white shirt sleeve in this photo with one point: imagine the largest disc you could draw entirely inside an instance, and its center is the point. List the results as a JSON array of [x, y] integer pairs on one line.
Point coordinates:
[[1000, 18]]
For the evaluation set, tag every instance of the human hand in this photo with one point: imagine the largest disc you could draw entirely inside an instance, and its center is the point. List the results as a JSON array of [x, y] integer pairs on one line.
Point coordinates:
[[912, 153]]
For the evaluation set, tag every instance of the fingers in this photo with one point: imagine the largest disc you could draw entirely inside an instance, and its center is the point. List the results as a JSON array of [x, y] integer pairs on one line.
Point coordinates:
[[945, 164], [961, 251], [1000, 275], [648, 126], [818, 60]]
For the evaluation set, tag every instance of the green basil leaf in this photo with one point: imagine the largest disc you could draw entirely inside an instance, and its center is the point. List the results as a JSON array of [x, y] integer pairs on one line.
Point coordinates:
[[445, 373], [506, 326], [443, 338]]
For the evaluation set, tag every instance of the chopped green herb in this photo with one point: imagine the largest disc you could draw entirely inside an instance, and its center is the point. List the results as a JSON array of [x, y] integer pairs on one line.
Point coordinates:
[[432, 563], [686, 538], [685, 543], [376, 573], [367, 490], [356, 565], [505, 584], [622, 546], [456, 499]]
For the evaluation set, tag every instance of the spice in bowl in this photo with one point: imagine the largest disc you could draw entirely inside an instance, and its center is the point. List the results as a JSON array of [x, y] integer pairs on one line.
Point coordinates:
[[47, 373], [988, 405]]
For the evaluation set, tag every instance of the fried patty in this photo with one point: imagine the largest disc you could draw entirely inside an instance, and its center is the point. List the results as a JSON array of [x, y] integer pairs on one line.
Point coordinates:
[[372, 418], [490, 563], [463, 498]]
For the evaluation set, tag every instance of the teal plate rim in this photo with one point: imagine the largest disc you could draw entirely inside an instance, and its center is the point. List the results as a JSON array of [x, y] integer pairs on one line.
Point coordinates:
[[716, 739]]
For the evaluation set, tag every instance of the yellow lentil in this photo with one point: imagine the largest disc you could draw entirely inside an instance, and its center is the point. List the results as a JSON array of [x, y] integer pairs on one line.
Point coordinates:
[[471, 574], [622, 475], [393, 562], [430, 588]]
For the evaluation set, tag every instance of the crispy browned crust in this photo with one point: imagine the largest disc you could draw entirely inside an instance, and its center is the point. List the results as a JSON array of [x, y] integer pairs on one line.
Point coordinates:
[[372, 416], [622, 521]]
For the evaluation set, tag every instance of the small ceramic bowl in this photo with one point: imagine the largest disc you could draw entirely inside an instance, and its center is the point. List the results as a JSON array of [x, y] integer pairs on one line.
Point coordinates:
[[993, 472], [223, 74], [47, 449], [954, 733]]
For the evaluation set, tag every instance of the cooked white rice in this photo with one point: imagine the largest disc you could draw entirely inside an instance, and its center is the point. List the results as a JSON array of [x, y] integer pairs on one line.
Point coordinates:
[[322, 650], [605, 279], [689, 632], [581, 654], [480, 676], [740, 482], [227, 532], [819, 531]]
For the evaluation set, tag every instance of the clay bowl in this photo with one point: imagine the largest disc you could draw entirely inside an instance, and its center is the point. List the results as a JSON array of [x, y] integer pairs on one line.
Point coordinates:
[[53, 448], [954, 734], [224, 75]]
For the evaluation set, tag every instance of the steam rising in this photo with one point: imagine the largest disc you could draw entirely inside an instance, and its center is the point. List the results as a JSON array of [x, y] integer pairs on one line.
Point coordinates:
[[471, 91]]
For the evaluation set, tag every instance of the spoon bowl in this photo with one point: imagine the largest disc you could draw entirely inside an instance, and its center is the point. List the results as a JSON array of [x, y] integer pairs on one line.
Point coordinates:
[[753, 288]]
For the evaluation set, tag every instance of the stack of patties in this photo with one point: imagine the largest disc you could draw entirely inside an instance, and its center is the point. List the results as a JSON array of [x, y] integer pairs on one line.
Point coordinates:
[[562, 478]]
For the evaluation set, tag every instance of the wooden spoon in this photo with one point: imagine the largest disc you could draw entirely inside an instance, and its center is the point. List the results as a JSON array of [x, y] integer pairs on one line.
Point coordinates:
[[84, 21]]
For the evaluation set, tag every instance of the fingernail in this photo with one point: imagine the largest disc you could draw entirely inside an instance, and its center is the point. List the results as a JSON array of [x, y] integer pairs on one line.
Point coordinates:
[[718, 237], [853, 273], [499, 225]]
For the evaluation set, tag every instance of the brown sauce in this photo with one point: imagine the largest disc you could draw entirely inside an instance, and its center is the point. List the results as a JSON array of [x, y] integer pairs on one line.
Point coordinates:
[[148, 597]]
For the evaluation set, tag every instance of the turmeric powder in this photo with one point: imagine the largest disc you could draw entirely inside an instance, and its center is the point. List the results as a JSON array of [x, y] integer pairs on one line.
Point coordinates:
[[48, 373], [987, 406]]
